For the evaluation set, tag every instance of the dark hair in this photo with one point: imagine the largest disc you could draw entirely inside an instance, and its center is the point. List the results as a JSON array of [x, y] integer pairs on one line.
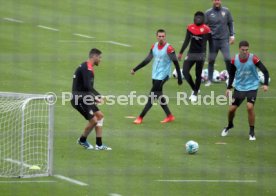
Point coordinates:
[[199, 13], [243, 43], [94, 51], [160, 31]]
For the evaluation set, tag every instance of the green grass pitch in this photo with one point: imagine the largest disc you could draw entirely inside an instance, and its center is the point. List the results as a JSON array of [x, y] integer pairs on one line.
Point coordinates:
[[37, 60]]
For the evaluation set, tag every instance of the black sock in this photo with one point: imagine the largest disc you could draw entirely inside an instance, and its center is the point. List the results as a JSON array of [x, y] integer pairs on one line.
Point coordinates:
[[251, 132], [83, 139], [230, 124], [99, 141]]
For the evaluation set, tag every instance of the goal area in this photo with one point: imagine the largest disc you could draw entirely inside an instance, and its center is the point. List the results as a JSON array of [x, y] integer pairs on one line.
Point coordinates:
[[26, 135]]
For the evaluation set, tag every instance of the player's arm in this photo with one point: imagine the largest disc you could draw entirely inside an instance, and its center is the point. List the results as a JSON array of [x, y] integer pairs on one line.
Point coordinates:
[[172, 55], [231, 28], [232, 73], [263, 69], [87, 78], [206, 18], [210, 41], [185, 44], [143, 63], [95, 92]]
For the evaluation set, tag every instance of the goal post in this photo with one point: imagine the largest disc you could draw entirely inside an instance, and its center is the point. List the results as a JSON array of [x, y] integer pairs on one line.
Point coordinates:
[[26, 134]]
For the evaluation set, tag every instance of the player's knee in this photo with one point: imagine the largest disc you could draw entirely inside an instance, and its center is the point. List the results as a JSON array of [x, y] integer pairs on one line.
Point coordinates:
[[250, 107], [99, 115], [93, 120], [186, 73], [211, 63], [233, 108], [100, 122]]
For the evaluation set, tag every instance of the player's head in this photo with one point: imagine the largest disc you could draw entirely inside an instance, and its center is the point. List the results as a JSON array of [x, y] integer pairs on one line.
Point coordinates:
[[161, 36], [217, 3], [199, 18], [95, 56], [244, 49]]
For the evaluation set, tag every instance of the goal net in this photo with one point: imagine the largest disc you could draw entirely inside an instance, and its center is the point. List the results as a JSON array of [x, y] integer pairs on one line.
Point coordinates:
[[26, 127]]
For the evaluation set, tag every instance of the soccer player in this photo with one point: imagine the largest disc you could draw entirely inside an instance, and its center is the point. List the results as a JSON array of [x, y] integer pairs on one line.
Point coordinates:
[[197, 35], [244, 69], [163, 54], [85, 99], [220, 20]]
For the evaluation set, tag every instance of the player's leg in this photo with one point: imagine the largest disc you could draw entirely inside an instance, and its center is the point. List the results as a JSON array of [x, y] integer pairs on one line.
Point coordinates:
[[87, 112], [251, 120], [213, 52], [99, 131], [187, 65], [225, 50], [198, 71], [148, 105], [251, 98], [163, 102], [238, 97]]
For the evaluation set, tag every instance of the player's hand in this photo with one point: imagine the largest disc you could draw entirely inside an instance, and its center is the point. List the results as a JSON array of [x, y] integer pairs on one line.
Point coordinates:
[[179, 81], [228, 92], [179, 57], [231, 40], [265, 88], [100, 100], [132, 72]]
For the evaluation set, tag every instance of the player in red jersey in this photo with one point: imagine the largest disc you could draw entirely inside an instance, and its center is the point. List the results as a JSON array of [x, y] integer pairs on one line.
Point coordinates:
[[197, 35]]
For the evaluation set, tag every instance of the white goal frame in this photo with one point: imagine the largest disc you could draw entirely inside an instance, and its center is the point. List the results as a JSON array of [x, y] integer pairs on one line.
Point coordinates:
[[24, 169]]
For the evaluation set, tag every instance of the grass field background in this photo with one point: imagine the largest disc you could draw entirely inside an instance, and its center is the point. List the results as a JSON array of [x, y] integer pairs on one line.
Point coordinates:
[[36, 60]]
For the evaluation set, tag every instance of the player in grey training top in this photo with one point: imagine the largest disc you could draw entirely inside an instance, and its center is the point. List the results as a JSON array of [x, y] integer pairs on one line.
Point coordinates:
[[220, 20]]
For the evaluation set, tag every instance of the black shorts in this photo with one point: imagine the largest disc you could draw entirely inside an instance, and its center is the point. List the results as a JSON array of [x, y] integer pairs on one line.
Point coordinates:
[[239, 96], [87, 110]]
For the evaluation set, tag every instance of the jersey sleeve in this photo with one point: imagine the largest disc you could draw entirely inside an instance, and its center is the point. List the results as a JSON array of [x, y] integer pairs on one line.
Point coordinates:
[[170, 49], [233, 61], [255, 59], [207, 29], [87, 77], [152, 46]]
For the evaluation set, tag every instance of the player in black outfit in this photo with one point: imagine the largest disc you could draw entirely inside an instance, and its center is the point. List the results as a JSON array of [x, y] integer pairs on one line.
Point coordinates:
[[197, 35], [85, 98]]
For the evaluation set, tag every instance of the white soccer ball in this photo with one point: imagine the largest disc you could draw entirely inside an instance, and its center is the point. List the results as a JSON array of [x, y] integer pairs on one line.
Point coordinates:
[[204, 75], [261, 77], [223, 75], [216, 76], [191, 147], [175, 74]]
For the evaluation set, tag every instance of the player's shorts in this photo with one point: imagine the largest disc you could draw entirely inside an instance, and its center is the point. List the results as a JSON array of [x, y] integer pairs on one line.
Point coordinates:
[[239, 96], [86, 110]]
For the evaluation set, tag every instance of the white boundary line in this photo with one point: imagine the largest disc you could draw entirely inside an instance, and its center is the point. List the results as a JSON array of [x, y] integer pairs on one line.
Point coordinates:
[[13, 20], [19, 182], [114, 194], [48, 28], [223, 181], [74, 41], [71, 180], [82, 35], [107, 41], [118, 43]]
